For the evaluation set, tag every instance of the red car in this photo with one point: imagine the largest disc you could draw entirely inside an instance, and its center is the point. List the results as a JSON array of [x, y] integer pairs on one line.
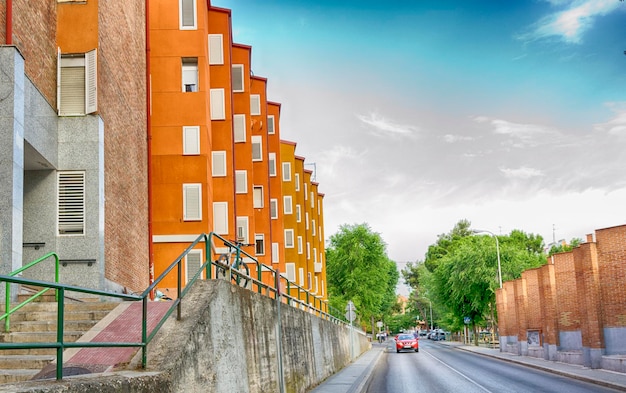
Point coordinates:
[[408, 342]]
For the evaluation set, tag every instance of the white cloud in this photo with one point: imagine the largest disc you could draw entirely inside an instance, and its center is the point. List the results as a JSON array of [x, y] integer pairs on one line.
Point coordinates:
[[381, 126], [521, 173], [523, 135], [449, 138], [571, 23], [616, 125]]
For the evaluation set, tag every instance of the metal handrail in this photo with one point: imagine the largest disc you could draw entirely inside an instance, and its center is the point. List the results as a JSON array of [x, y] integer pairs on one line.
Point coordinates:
[[146, 337], [7, 305]]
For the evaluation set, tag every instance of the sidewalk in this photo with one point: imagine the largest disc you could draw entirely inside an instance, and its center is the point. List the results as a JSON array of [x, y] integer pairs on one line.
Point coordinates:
[[354, 377], [601, 377]]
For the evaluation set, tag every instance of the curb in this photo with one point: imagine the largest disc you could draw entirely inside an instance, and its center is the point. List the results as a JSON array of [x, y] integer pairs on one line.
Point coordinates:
[[366, 376], [547, 369]]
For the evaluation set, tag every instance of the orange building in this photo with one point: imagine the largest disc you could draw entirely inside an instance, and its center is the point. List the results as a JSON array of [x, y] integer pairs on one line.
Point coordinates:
[[217, 154]]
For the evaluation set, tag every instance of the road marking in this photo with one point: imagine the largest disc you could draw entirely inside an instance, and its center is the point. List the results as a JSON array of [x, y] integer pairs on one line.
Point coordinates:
[[458, 372]]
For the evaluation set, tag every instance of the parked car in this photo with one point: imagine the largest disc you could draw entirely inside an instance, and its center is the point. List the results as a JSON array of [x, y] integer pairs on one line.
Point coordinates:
[[407, 342]]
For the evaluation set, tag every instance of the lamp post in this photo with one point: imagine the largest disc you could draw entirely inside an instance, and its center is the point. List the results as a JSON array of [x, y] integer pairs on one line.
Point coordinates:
[[497, 252]]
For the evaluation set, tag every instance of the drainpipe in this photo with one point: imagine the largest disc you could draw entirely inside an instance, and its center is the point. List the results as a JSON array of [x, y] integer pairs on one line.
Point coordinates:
[[149, 147], [9, 23]]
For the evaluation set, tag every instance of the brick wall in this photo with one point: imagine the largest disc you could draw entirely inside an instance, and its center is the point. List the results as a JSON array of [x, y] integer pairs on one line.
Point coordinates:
[[611, 244], [568, 314], [122, 105], [34, 29], [583, 290]]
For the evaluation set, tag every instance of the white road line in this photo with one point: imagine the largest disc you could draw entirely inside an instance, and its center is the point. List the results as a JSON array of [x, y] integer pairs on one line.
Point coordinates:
[[458, 372]]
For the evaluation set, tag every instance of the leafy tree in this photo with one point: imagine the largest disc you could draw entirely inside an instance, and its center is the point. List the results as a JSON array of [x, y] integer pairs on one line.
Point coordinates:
[[358, 269], [446, 243]]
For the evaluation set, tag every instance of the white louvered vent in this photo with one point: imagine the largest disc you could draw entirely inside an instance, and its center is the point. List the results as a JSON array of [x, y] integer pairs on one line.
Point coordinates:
[[71, 203]]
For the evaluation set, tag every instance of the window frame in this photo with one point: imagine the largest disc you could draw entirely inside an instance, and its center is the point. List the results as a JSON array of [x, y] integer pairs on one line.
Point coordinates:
[[188, 188], [191, 137], [181, 26]]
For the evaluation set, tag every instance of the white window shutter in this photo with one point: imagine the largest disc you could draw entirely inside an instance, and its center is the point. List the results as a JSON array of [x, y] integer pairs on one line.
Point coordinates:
[[218, 168], [275, 253], [217, 104], [220, 218], [255, 104], [238, 78], [91, 81], [191, 140], [257, 149], [291, 271], [193, 261], [71, 203], [216, 49], [192, 202], [239, 128], [241, 182], [270, 124]]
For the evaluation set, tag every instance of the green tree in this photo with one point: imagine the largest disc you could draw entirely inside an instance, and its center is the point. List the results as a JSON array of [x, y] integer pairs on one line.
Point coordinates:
[[564, 247], [359, 269]]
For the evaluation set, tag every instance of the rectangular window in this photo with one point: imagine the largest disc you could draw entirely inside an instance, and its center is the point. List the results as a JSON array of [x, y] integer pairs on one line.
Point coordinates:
[[298, 213], [220, 218], [191, 140], [297, 177], [288, 208], [270, 125], [218, 111], [290, 272], [238, 78], [313, 227], [241, 182], [192, 202], [300, 248], [305, 191], [308, 250], [242, 229], [272, 164], [257, 194], [71, 203], [187, 14], [257, 148], [216, 49], [77, 87], [288, 238], [301, 276], [218, 163], [190, 74], [286, 171], [239, 128], [306, 220], [274, 209], [312, 201], [255, 104], [193, 261], [275, 253], [259, 244]]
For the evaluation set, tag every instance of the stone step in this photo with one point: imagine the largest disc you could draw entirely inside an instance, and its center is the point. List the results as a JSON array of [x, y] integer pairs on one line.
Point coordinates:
[[25, 361], [68, 307], [52, 316], [51, 326], [17, 375], [38, 337], [32, 351]]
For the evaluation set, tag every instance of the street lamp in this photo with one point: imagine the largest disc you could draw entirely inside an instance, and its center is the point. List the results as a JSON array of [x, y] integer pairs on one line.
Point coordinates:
[[497, 252]]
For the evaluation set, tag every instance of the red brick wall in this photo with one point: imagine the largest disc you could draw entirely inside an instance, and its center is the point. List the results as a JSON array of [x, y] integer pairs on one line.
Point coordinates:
[[122, 105], [34, 29], [588, 282], [611, 244], [547, 294], [508, 313], [568, 314], [521, 303], [534, 315]]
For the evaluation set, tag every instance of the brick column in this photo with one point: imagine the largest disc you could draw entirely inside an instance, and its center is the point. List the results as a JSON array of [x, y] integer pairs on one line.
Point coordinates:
[[547, 294]]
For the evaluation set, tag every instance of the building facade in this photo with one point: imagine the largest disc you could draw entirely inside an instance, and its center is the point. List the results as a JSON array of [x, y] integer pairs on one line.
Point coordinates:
[[73, 161]]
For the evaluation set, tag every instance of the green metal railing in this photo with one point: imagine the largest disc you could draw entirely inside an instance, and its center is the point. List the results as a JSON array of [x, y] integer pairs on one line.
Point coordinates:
[[146, 337], [7, 304]]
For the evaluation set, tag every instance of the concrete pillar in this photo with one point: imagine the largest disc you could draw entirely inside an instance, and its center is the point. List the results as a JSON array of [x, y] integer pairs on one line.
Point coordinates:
[[11, 158]]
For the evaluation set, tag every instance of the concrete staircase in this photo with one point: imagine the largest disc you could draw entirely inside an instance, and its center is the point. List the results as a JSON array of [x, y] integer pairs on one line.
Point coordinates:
[[37, 322]]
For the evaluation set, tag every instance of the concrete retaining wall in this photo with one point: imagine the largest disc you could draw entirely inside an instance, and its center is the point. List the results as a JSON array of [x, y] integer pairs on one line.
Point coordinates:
[[227, 341]]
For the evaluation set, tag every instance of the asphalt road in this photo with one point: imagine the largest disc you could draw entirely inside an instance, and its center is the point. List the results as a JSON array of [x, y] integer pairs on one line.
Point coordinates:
[[439, 368]]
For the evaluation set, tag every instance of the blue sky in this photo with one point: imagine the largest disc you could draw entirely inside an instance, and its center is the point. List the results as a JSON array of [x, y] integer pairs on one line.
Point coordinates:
[[511, 114]]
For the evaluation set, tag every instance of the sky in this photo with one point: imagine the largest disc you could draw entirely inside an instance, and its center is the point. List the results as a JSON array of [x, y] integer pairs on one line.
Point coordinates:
[[418, 114]]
